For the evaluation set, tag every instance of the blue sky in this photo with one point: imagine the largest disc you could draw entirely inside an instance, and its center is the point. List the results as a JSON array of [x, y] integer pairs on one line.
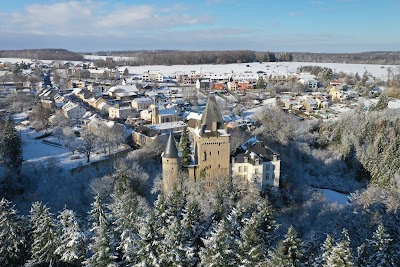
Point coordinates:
[[275, 25]]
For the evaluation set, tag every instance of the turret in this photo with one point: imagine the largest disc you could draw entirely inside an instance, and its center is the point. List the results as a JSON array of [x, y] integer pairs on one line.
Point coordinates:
[[171, 165]]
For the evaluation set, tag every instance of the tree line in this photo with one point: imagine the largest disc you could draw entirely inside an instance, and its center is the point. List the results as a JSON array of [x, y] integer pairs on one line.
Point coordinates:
[[42, 54]]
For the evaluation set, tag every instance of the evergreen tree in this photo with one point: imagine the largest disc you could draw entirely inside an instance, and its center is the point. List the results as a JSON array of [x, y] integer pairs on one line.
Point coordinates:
[[71, 248], [289, 251], [101, 246], [184, 147], [341, 255], [379, 249], [326, 249], [221, 247], [362, 256], [328, 74], [382, 103], [191, 228], [356, 77], [251, 250], [175, 251], [364, 78], [11, 148], [44, 236], [266, 222], [124, 215], [260, 83], [149, 245], [12, 235]]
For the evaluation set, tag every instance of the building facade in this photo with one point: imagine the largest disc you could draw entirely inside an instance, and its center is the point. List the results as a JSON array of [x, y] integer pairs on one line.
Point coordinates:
[[211, 147]]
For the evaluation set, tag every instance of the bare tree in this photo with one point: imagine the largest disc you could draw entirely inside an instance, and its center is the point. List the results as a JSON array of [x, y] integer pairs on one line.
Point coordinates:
[[39, 118], [90, 143]]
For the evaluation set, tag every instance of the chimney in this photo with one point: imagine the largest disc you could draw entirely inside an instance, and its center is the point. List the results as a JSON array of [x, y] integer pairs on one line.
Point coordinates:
[[214, 126]]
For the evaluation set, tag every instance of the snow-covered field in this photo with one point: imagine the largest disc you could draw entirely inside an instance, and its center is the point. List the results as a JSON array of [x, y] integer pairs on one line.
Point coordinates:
[[378, 71], [278, 68], [91, 57]]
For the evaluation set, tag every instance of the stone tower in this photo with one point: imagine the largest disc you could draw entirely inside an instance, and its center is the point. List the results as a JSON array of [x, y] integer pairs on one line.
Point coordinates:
[[154, 114], [171, 165], [211, 147]]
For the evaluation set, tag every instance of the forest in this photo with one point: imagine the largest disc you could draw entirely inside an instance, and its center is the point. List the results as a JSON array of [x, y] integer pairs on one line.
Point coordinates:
[[42, 54], [131, 223]]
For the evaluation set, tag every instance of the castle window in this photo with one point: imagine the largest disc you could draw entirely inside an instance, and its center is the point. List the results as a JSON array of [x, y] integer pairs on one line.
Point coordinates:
[[240, 169], [245, 168], [210, 153], [218, 152], [204, 156]]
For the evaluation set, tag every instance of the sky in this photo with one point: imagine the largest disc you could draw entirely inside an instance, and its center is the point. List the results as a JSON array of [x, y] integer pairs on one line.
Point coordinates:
[[260, 25]]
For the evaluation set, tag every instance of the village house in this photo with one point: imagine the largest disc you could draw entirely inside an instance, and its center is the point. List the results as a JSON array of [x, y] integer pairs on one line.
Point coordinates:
[[119, 112], [141, 103], [311, 84], [73, 111]]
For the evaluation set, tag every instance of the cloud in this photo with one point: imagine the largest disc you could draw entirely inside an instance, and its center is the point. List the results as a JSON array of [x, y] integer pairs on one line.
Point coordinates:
[[92, 18]]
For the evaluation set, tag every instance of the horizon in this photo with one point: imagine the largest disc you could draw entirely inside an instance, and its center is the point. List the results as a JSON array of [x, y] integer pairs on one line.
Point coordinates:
[[309, 26]]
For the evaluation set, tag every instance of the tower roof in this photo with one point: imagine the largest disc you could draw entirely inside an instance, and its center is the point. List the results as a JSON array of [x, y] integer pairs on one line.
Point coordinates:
[[170, 150], [212, 115]]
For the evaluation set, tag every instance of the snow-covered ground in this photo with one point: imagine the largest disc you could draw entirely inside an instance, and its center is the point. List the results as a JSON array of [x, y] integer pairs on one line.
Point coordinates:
[[279, 68], [253, 112], [333, 196], [91, 57], [36, 150]]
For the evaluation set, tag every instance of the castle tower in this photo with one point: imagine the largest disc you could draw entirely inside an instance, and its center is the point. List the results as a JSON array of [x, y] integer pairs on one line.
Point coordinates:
[[171, 165], [212, 147]]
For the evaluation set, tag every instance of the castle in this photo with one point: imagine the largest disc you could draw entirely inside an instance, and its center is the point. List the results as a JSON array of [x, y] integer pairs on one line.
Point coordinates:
[[212, 159]]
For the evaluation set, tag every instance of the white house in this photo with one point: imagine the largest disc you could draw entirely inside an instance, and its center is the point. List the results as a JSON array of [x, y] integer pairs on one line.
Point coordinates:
[[310, 83], [73, 111], [141, 103], [257, 164], [119, 112]]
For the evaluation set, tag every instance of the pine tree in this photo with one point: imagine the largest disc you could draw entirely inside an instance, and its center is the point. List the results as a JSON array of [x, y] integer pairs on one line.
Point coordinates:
[[44, 235], [71, 248], [220, 248], [124, 215], [149, 245], [288, 252], [11, 148], [326, 250], [184, 147], [251, 250], [267, 222], [12, 235], [175, 251], [341, 255], [191, 228], [379, 249], [101, 245]]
